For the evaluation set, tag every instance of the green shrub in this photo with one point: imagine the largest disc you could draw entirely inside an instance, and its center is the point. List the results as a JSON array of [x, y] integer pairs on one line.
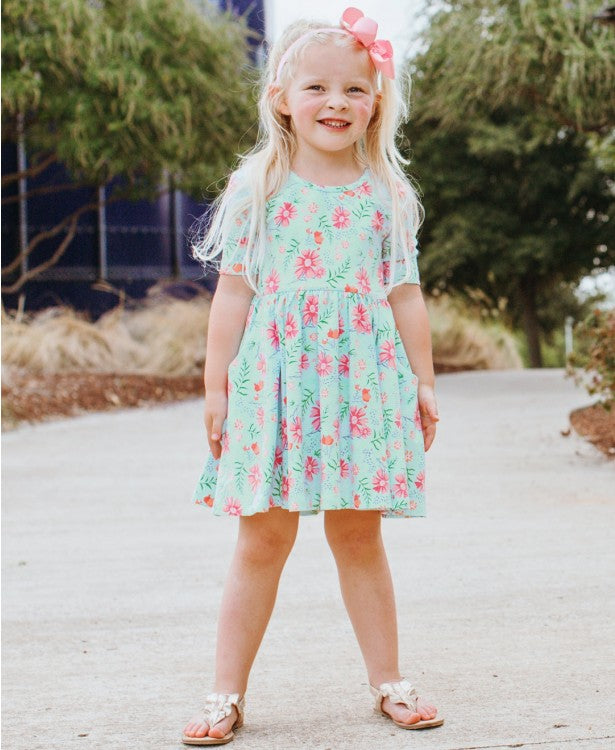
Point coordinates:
[[593, 364]]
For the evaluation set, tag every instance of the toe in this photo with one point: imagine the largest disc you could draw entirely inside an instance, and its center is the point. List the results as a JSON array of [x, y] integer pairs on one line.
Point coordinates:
[[196, 729], [223, 727], [400, 713]]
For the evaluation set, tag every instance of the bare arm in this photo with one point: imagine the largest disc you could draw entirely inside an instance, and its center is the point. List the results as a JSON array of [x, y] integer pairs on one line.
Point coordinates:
[[412, 322], [227, 321]]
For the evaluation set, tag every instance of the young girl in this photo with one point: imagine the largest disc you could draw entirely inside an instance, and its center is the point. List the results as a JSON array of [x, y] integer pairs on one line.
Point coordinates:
[[319, 377]]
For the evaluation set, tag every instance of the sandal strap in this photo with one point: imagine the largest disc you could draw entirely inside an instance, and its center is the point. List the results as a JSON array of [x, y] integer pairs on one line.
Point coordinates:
[[399, 692], [219, 705]]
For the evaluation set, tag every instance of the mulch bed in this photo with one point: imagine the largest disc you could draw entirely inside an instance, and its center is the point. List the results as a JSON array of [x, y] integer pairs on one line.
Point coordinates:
[[35, 398], [596, 424]]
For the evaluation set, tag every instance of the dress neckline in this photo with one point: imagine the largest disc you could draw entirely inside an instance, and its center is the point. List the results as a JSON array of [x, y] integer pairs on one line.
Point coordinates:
[[334, 188]]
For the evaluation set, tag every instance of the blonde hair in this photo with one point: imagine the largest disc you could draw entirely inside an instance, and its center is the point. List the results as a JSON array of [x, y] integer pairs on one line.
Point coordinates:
[[265, 168]]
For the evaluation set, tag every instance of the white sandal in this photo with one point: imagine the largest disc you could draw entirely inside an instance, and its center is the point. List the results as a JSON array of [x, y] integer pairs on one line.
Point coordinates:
[[401, 692], [217, 707]]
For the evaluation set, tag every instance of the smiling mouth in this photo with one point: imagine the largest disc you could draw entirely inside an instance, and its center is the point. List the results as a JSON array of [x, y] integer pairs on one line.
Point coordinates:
[[335, 124]]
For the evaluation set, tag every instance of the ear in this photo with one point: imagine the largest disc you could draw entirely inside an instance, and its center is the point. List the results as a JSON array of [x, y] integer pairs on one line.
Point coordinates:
[[377, 100], [282, 104]]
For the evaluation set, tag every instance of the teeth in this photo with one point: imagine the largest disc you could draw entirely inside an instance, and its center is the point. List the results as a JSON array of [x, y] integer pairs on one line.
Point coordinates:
[[334, 123]]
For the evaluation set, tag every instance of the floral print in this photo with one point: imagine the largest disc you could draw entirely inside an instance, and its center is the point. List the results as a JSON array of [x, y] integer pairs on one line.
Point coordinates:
[[322, 401]]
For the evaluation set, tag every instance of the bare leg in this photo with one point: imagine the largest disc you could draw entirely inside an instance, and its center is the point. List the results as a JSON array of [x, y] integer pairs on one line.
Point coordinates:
[[263, 545], [367, 589]]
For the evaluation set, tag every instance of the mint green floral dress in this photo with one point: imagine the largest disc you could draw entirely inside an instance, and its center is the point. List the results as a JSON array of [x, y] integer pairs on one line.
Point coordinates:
[[322, 402]]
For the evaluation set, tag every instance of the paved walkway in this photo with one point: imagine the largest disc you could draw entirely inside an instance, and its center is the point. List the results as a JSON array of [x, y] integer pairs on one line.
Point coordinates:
[[506, 599]]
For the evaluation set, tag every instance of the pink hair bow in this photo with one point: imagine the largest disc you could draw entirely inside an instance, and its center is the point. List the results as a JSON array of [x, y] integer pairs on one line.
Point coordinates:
[[364, 31]]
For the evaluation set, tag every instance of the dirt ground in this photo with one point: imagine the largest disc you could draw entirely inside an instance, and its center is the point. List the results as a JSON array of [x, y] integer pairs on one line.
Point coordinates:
[[596, 424], [36, 398]]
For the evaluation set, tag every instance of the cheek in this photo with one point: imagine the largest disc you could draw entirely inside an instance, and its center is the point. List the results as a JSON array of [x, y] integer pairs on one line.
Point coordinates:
[[364, 110]]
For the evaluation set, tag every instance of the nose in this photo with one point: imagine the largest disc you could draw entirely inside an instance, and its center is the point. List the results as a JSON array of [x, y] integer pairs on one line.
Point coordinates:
[[337, 101]]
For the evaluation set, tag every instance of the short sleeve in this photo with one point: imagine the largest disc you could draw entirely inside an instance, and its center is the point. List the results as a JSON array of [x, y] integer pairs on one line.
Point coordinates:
[[234, 249], [403, 271]]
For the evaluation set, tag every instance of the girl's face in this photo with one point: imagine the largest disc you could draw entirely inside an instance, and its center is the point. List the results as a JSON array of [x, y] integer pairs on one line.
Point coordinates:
[[331, 98]]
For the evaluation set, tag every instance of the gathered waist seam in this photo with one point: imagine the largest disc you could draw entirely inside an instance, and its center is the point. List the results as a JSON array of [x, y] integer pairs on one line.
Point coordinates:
[[319, 289]]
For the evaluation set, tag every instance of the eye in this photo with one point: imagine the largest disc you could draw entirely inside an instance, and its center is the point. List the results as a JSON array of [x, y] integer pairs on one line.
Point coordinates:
[[315, 86], [356, 88]]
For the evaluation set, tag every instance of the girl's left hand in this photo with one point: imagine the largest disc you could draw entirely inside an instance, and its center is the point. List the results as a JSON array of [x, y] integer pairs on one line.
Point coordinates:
[[429, 413]]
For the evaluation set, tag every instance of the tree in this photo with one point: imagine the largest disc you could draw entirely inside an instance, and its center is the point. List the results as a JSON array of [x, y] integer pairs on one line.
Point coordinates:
[[512, 132], [546, 56], [511, 216], [145, 90]]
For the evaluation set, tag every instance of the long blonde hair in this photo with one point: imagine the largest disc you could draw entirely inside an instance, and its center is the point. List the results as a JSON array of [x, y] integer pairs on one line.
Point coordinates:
[[265, 168]]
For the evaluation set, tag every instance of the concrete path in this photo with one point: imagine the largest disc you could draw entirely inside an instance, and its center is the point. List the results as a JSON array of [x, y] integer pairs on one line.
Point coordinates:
[[506, 594]]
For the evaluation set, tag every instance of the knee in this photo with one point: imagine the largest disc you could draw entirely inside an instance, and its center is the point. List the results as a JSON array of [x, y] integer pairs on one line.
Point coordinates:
[[267, 547], [354, 541]]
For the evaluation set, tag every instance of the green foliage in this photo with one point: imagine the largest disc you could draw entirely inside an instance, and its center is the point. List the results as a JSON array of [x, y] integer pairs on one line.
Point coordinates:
[[132, 88], [596, 355], [546, 55], [510, 213]]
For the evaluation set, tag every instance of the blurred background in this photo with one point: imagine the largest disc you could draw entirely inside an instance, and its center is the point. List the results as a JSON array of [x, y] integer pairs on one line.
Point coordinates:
[[121, 121]]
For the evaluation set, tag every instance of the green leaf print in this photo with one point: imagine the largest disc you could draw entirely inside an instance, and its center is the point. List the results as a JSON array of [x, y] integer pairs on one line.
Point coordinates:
[[307, 399], [378, 441], [242, 378], [239, 472], [372, 380], [325, 225], [365, 489], [344, 409], [337, 275], [363, 209], [388, 420]]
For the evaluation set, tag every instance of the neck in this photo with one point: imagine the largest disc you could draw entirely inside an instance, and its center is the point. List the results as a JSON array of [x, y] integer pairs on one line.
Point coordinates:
[[327, 169]]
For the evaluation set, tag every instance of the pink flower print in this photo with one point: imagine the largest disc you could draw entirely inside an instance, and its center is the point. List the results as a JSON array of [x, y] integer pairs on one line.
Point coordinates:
[[377, 221], [336, 428], [344, 365], [296, 430], [400, 488], [387, 353], [238, 424], [315, 415], [272, 282], [232, 507], [341, 218], [323, 367], [284, 432], [312, 208], [420, 481], [304, 362], [357, 420], [277, 458], [364, 189], [344, 468], [260, 416], [287, 483], [408, 457], [285, 214], [381, 279], [308, 265], [413, 505], [360, 319], [380, 481], [290, 328], [355, 470], [363, 279], [398, 419], [310, 311], [273, 334], [224, 443], [311, 467], [261, 364], [417, 418], [254, 477], [357, 501], [340, 324]]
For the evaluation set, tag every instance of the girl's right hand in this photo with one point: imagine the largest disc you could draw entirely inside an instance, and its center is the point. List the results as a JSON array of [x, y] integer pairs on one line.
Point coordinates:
[[216, 406]]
